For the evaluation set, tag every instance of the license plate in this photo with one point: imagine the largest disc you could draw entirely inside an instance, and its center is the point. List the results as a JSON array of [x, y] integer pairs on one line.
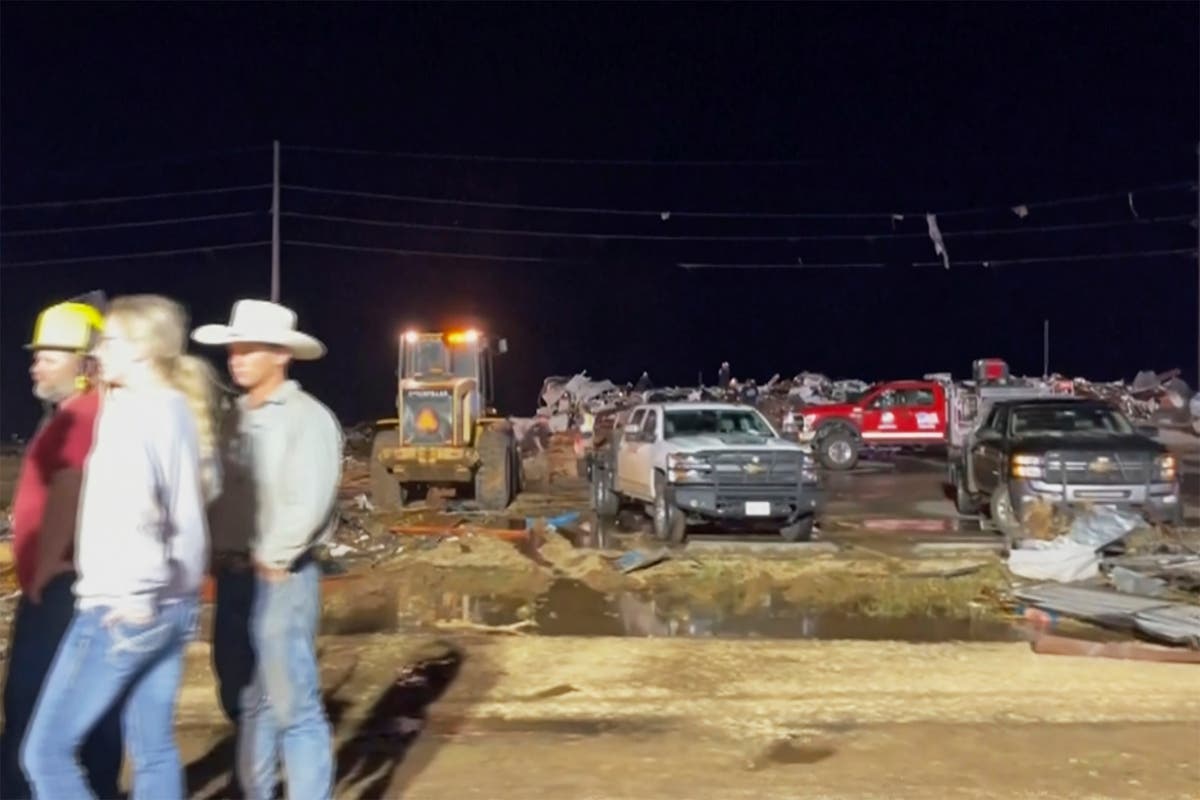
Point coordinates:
[[758, 509]]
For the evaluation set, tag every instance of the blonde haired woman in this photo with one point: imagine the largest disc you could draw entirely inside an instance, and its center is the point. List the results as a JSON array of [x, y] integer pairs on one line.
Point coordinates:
[[141, 553]]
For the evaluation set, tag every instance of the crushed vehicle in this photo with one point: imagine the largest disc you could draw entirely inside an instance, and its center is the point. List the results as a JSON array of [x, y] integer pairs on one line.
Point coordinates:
[[706, 462], [1067, 452], [446, 432]]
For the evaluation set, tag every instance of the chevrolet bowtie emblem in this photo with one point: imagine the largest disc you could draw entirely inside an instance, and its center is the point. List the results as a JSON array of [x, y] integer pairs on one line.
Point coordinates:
[[755, 468], [1102, 464]]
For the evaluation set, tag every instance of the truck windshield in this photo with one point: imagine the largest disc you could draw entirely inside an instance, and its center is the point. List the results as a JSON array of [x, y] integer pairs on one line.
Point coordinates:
[[1067, 420], [699, 421]]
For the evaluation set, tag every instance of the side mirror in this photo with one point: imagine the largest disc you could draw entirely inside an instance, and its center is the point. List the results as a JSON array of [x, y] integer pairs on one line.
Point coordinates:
[[502, 346], [1147, 430]]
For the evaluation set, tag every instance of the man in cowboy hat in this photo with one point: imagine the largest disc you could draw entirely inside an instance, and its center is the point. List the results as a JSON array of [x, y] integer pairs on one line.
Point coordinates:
[[43, 521], [282, 456]]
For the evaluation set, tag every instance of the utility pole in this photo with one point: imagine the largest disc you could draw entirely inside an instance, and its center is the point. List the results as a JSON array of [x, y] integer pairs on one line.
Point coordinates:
[[275, 228], [1045, 348]]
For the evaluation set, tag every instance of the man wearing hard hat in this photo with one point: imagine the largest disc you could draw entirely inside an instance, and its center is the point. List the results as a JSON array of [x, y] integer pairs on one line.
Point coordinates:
[[43, 524]]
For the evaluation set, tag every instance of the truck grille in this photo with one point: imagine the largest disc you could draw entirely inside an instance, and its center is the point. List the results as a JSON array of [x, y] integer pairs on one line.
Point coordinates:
[[756, 475], [1102, 469]]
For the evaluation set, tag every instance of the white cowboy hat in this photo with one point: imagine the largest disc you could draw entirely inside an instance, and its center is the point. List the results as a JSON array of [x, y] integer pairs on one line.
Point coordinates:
[[263, 322]]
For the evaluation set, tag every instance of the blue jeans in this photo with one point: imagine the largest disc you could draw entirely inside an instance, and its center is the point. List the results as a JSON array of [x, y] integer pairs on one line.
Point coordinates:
[[37, 631], [98, 666], [282, 708], [232, 649]]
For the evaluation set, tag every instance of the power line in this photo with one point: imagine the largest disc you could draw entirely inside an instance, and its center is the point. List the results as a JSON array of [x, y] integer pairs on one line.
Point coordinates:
[[667, 213], [795, 266], [385, 223], [1076, 200], [427, 253], [122, 256], [608, 162], [130, 198], [1004, 262], [122, 225], [982, 263], [701, 265], [183, 158]]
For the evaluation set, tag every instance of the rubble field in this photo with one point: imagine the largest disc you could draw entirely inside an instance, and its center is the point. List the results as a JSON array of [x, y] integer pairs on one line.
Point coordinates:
[[564, 401]]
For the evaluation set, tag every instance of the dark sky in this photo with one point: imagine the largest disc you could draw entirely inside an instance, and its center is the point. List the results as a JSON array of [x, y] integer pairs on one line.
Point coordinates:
[[898, 108]]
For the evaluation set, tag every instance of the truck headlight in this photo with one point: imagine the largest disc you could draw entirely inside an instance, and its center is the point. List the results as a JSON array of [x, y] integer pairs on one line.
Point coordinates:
[[1025, 466], [687, 467], [1166, 468], [808, 469]]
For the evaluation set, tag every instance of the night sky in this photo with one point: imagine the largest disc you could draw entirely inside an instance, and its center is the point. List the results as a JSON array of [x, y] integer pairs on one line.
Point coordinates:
[[876, 110]]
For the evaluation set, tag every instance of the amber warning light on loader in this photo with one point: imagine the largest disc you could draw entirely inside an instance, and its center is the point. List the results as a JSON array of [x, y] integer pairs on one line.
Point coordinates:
[[427, 421], [462, 337]]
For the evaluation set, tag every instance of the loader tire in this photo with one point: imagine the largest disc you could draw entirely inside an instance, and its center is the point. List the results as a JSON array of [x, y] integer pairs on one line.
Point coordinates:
[[387, 493], [495, 479]]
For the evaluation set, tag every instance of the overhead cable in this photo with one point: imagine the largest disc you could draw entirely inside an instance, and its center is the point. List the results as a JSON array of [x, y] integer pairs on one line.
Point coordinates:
[[666, 213], [424, 253], [607, 162], [123, 225], [386, 223], [124, 256], [133, 197]]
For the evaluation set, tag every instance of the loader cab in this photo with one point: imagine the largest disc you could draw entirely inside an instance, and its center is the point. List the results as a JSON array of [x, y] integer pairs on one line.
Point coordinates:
[[450, 357]]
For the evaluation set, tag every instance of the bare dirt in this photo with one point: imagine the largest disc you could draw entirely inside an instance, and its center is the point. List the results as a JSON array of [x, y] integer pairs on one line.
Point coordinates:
[[621, 718]]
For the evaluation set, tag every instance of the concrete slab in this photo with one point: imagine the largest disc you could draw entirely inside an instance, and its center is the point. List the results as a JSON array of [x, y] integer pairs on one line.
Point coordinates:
[[942, 548], [779, 548]]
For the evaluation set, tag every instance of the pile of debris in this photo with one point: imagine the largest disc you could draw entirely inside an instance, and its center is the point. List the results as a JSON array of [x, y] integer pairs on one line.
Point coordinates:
[[1108, 567], [1150, 394], [567, 403], [578, 402]]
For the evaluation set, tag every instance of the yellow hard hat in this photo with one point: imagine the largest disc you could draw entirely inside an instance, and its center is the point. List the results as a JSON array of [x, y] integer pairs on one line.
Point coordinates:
[[66, 326]]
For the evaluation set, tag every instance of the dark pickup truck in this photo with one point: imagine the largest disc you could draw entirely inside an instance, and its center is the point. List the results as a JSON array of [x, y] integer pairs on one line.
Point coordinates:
[[1064, 451]]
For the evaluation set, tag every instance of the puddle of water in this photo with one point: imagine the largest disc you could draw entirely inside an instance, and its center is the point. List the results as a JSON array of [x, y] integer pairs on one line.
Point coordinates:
[[570, 608]]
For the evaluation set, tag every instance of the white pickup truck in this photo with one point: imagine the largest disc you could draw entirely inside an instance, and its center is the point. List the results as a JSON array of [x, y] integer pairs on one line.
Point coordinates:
[[719, 463]]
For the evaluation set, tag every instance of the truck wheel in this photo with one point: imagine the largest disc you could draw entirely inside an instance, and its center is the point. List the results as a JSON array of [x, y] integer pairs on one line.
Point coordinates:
[[964, 501], [387, 493], [838, 450], [799, 531], [1005, 516], [604, 499], [670, 524], [494, 478]]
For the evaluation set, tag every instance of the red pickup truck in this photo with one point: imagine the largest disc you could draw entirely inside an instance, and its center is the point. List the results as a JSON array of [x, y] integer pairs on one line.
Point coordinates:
[[898, 413]]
